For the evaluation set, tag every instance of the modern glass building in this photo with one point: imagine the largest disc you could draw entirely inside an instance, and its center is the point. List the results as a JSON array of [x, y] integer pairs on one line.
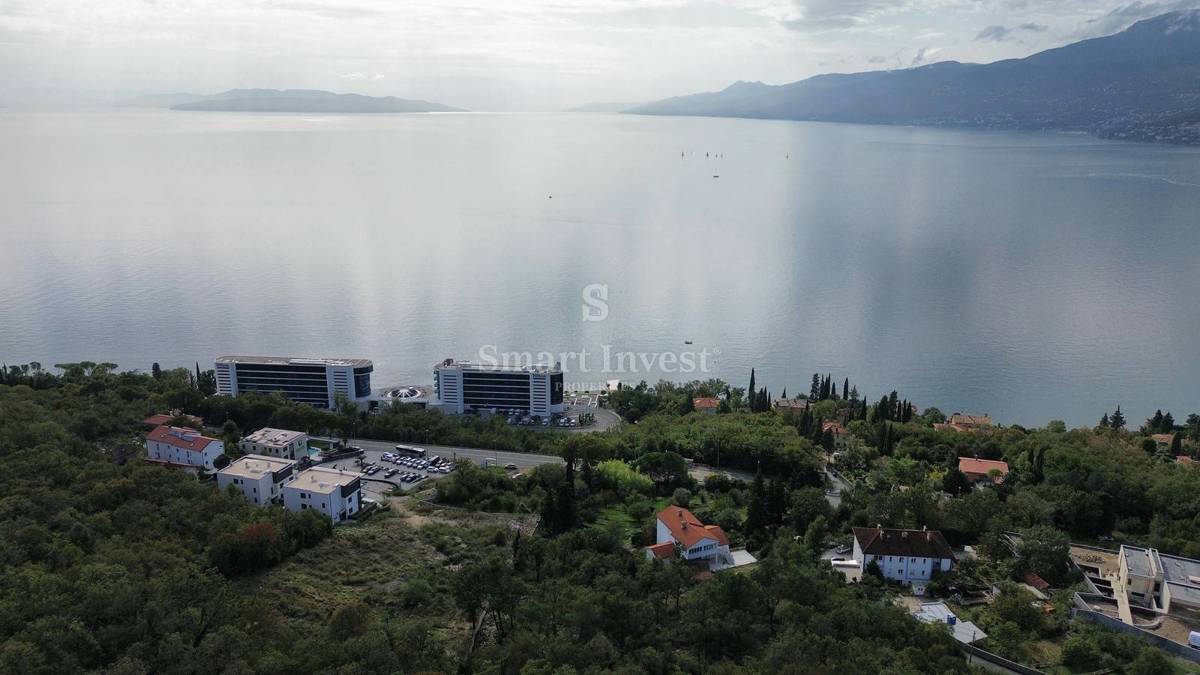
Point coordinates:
[[316, 382], [463, 387]]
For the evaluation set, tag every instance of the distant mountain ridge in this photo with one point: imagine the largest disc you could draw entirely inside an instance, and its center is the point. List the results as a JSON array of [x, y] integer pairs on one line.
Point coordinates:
[[306, 101], [1140, 84]]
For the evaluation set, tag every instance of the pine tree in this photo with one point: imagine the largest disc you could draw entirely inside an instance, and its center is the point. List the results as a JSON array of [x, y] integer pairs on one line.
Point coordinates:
[[1104, 423], [1168, 423], [1117, 421], [1154, 424]]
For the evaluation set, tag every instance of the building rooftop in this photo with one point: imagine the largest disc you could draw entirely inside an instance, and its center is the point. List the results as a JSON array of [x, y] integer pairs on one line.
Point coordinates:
[[938, 613], [687, 529], [488, 367], [904, 543], [254, 466], [290, 361], [323, 480], [706, 403], [276, 438], [1143, 562], [982, 467], [181, 437], [662, 551]]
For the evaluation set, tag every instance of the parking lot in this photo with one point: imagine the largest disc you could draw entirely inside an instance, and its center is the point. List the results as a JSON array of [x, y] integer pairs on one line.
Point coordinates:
[[373, 452]]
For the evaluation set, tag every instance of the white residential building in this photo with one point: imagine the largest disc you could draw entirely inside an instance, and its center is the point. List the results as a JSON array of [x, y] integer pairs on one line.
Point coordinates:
[[334, 492], [276, 443], [317, 382], [907, 556], [182, 446], [679, 530], [259, 478], [461, 386], [1165, 583]]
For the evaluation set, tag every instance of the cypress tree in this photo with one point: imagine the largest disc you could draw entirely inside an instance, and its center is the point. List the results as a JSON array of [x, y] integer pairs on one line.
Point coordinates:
[[815, 392], [756, 513], [846, 389], [751, 391]]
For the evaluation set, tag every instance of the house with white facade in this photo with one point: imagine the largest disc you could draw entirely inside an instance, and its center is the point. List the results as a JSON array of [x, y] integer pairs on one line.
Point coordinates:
[[334, 492], [276, 443], [907, 556], [259, 478], [183, 446], [680, 533]]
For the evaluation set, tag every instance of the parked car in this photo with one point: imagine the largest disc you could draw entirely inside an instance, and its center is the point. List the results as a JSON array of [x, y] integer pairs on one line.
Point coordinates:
[[510, 466], [390, 472]]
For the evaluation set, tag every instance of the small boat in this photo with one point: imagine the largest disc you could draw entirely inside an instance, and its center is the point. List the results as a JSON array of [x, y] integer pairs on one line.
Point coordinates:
[[687, 342]]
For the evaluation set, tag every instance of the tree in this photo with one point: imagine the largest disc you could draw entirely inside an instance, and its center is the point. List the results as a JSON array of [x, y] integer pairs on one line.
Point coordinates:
[[349, 620], [1150, 661], [757, 515], [1176, 445], [1117, 421], [1045, 551], [666, 469], [1104, 421], [955, 482], [752, 391], [156, 371]]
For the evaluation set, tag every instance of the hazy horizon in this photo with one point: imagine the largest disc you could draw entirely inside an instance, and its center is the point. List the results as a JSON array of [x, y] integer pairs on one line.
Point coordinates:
[[532, 55]]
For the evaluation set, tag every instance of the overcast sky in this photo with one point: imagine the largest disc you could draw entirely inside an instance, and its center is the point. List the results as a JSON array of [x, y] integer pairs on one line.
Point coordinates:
[[511, 54]]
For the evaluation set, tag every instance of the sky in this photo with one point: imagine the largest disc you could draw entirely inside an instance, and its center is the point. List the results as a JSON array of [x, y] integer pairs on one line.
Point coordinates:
[[511, 55]]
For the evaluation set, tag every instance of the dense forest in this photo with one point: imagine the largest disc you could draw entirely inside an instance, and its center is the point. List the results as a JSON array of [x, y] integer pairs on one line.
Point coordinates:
[[114, 565]]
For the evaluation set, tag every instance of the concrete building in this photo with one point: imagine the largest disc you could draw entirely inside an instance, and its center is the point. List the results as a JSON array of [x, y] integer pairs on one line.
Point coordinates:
[[336, 493], [316, 382], [1164, 583], [906, 556], [259, 478], [276, 443], [183, 447], [461, 387]]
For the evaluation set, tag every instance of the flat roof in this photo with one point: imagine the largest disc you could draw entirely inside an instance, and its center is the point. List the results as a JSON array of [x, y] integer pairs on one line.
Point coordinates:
[[254, 466], [274, 437], [485, 367], [293, 361], [323, 480], [1140, 561]]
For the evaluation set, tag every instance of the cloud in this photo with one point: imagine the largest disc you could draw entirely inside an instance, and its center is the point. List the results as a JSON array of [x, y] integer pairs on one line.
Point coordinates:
[[818, 15], [328, 10], [924, 55], [362, 77], [1002, 33], [1123, 16]]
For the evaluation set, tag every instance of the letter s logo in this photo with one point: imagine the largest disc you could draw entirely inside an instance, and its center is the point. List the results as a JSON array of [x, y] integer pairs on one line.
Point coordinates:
[[595, 302]]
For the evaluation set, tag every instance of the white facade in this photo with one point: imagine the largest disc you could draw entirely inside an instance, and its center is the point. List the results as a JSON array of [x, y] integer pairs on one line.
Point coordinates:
[[178, 445], [317, 382], [276, 443], [259, 478], [704, 547], [896, 560], [333, 492], [463, 387]]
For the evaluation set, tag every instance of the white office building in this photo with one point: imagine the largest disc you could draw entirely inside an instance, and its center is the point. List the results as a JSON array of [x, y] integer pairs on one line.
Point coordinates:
[[317, 382], [907, 556], [276, 443], [336, 493], [461, 386], [259, 478], [183, 446]]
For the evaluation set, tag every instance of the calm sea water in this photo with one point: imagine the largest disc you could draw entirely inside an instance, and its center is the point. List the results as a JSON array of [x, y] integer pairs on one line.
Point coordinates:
[[1032, 277]]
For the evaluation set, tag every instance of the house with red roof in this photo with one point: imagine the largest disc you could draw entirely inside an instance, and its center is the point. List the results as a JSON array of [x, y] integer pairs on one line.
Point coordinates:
[[681, 533], [985, 471], [707, 404], [183, 447]]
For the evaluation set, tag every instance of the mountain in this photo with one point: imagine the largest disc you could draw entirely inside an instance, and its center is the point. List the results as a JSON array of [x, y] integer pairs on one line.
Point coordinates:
[[1141, 84], [159, 100], [604, 107], [307, 101]]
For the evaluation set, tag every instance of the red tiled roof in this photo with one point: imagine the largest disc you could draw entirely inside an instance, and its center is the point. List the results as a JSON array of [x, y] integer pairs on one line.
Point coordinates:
[[706, 402], [1184, 459], [1037, 582], [182, 438], [687, 529], [835, 427], [662, 551], [982, 467], [162, 418]]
